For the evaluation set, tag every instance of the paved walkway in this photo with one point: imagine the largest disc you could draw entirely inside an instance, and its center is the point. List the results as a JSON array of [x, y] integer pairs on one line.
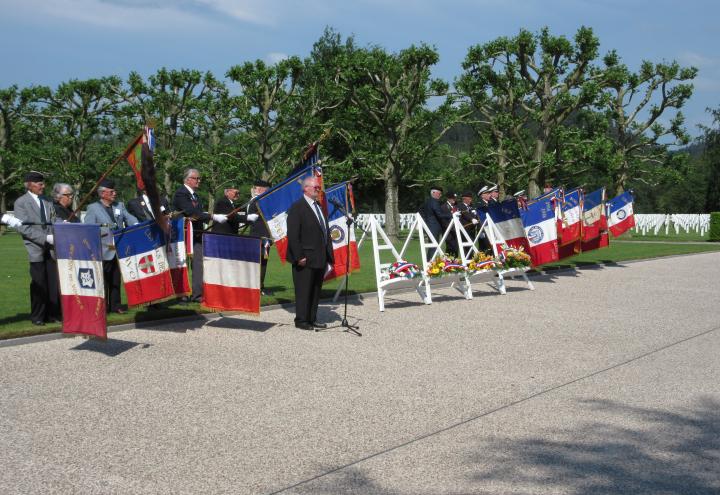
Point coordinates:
[[599, 381]]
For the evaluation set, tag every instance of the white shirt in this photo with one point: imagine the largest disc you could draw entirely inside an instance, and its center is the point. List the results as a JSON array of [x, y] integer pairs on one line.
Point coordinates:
[[312, 203]]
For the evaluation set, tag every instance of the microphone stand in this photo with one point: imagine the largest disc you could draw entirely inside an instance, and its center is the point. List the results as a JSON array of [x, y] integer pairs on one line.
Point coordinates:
[[344, 323]]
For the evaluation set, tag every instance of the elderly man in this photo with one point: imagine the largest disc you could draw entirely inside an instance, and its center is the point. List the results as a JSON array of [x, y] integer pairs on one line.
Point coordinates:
[[110, 214], [224, 206], [259, 229], [310, 252], [62, 201], [37, 215], [435, 215], [187, 201], [140, 206]]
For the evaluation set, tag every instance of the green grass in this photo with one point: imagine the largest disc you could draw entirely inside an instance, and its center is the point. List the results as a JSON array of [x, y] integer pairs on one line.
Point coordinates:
[[15, 280]]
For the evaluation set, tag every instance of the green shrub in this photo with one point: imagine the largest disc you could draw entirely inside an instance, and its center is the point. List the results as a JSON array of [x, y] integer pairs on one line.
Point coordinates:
[[715, 226]]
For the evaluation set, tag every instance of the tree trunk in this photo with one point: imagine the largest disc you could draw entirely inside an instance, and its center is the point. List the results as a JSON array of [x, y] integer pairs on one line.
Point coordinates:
[[392, 214], [500, 178], [621, 179], [534, 186]]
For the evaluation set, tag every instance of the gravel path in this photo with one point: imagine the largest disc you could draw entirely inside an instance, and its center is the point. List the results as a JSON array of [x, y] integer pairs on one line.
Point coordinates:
[[603, 380]]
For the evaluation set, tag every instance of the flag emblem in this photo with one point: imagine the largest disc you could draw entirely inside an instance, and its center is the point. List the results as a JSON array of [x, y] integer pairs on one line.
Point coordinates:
[[146, 264], [621, 214], [337, 234], [86, 278], [535, 234]]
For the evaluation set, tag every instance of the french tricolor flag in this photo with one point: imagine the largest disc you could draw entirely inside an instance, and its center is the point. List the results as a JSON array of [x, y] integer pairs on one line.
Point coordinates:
[[621, 217], [571, 225], [541, 231], [275, 203], [144, 264], [340, 234], [231, 272], [506, 216], [82, 292], [177, 252], [593, 216]]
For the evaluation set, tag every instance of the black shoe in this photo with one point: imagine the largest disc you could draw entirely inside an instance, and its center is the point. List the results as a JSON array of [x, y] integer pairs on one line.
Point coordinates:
[[266, 292], [304, 326], [41, 323], [319, 325]]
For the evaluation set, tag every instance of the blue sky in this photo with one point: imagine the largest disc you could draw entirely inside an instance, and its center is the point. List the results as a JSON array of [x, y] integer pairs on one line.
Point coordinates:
[[50, 41]]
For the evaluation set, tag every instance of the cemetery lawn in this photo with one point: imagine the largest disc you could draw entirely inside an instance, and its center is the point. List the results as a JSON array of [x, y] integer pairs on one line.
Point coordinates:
[[15, 280]]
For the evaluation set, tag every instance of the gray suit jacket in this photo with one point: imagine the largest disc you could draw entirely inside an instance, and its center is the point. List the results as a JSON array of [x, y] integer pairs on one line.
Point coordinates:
[[34, 236], [96, 213]]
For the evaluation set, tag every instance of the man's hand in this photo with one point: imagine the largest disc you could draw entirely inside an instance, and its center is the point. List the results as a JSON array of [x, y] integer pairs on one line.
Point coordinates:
[[302, 262], [475, 221], [50, 239], [252, 217], [219, 218]]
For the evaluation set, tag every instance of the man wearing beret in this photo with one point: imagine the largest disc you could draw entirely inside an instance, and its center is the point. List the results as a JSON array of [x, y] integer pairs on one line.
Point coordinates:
[[434, 215], [468, 217], [450, 206], [37, 215], [111, 215], [259, 229]]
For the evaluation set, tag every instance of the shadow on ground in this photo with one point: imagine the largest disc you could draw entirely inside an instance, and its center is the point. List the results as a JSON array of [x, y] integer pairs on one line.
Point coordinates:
[[109, 347], [674, 452]]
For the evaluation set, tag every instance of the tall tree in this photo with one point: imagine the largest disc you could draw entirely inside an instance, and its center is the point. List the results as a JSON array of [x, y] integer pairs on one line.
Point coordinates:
[[395, 132], [635, 103], [165, 100], [711, 157], [267, 91]]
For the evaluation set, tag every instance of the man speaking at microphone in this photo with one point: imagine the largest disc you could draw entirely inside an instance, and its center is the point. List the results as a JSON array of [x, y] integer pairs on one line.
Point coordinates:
[[310, 252]]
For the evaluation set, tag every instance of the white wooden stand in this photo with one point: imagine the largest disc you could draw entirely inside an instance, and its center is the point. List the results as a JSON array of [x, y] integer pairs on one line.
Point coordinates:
[[381, 242]]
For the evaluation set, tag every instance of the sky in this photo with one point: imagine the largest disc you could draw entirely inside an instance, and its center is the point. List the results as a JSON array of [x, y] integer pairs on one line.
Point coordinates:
[[46, 42]]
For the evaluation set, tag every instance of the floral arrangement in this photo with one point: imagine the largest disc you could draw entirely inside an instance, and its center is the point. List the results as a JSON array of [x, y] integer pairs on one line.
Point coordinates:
[[515, 258], [482, 262], [402, 269], [444, 265]]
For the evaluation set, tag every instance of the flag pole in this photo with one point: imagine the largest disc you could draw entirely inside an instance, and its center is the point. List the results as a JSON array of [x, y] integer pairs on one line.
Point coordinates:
[[105, 174]]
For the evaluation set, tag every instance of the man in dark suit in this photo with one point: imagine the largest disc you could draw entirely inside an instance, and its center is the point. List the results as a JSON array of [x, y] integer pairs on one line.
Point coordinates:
[[468, 217], [310, 252], [435, 215], [450, 206], [225, 205], [141, 209], [37, 213], [259, 229], [189, 203]]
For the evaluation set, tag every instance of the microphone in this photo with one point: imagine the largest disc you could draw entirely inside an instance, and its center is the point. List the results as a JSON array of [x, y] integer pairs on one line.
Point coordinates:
[[337, 204]]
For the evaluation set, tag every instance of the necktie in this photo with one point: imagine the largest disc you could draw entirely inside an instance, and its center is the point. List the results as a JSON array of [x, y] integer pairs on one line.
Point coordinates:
[[43, 217], [320, 218]]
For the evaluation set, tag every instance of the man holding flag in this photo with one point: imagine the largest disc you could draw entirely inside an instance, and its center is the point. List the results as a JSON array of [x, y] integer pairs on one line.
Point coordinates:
[[189, 203], [309, 251]]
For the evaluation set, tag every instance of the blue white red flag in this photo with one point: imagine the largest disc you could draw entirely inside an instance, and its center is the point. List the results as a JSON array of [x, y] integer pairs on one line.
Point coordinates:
[[541, 231], [275, 203], [593, 215], [506, 216], [555, 193], [177, 255], [144, 263], [231, 272], [343, 238], [82, 293], [571, 227], [621, 217]]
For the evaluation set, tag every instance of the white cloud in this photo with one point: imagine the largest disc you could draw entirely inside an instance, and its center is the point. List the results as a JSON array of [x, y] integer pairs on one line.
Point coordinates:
[[275, 57], [698, 60]]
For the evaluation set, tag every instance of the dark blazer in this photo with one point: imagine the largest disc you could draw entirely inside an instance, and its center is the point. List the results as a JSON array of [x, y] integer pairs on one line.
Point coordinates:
[[258, 227], [191, 207], [467, 213], [138, 208], [224, 206], [305, 237], [436, 217], [62, 213]]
